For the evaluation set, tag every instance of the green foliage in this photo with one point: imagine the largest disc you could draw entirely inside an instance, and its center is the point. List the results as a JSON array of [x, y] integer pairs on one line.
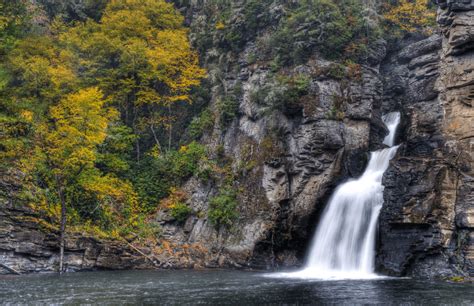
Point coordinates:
[[71, 10], [228, 108], [223, 208], [228, 28], [336, 71], [143, 227], [14, 20], [297, 86], [199, 125], [335, 28], [240, 29], [185, 161], [180, 211], [152, 180], [206, 171], [116, 151], [154, 176], [283, 93], [14, 141]]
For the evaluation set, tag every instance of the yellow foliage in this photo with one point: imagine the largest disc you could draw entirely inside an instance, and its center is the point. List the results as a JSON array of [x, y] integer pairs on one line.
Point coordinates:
[[220, 26], [80, 123], [176, 196], [62, 86], [26, 115], [411, 15], [158, 50], [88, 229], [8, 14], [154, 152], [50, 211], [45, 71], [117, 194]]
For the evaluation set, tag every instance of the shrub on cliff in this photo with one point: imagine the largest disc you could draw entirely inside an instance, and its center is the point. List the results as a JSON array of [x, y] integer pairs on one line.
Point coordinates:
[[228, 108], [200, 124], [180, 212], [283, 93], [244, 27], [222, 208], [175, 203], [155, 175]]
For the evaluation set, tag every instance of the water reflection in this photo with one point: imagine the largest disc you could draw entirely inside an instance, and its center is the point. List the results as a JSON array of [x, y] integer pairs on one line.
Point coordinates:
[[221, 287]]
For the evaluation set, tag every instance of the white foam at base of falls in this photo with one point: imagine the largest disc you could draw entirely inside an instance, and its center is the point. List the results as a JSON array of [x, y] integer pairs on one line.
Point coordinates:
[[343, 246]]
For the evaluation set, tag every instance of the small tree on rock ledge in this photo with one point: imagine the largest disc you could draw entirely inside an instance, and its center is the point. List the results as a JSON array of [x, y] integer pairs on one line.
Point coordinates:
[[78, 125]]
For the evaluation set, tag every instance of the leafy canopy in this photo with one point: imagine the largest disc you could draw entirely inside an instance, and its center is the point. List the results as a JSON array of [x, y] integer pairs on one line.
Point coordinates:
[[83, 101]]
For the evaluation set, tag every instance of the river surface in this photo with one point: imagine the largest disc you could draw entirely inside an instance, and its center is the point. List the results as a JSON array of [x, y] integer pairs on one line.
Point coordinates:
[[217, 287]]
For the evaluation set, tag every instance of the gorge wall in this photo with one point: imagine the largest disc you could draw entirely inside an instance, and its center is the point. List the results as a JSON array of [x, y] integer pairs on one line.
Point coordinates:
[[426, 224], [286, 160]]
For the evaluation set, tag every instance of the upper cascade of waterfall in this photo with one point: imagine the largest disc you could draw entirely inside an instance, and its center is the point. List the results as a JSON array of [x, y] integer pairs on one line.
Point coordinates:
[[344, 243], [391, 120]]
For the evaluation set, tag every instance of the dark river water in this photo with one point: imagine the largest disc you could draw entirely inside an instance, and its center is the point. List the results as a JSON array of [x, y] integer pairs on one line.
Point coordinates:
[[219, 287]]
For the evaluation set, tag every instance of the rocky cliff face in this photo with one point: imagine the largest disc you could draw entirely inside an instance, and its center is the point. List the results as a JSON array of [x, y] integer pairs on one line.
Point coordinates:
[[287, 160], [298, 154], [426, 225], [26, 247]]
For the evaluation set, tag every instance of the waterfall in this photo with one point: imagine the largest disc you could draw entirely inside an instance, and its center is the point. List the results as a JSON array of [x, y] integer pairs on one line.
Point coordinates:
[[391, 120], [344, 242]]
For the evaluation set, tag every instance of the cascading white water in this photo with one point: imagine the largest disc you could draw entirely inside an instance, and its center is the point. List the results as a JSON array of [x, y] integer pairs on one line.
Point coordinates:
[[344, 243], [391, 120]]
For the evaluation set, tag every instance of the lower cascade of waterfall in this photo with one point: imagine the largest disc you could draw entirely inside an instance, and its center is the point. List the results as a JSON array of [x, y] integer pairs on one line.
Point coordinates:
[[343, 246]]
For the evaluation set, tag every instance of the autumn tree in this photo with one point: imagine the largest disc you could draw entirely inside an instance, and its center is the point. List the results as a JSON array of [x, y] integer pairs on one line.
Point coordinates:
[[14, 124], [145, 70], [81, 96], [69, 145]]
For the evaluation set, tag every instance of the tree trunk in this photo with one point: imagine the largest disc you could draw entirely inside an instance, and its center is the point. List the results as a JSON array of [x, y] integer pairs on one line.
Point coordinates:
[[170, 127], [156, 138], [62, 229], [136, 132], [137, 144]]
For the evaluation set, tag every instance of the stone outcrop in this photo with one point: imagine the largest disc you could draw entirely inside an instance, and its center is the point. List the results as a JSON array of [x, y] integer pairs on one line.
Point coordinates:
[[426, 225], [26, 247], [30, 245], [314, 146]]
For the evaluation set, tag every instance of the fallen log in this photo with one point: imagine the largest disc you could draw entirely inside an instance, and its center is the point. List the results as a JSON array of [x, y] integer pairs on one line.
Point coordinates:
[[9, 269]]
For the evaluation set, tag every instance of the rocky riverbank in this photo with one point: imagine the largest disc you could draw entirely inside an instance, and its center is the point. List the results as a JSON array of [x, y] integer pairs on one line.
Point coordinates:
[[27, 247]]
